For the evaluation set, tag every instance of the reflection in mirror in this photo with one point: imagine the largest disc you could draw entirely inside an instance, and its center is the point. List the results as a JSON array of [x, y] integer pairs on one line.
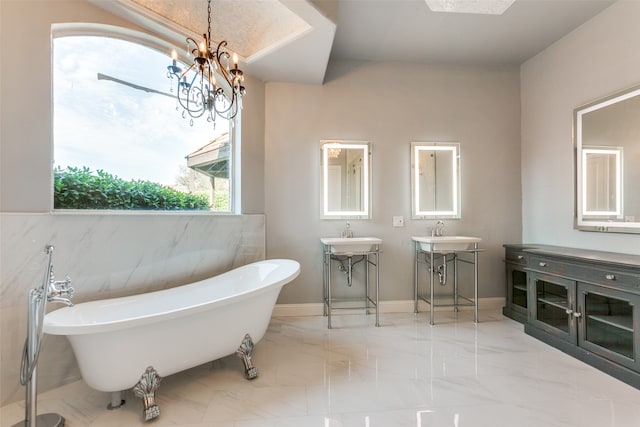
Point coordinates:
[[602, 192], [435, 180], [346, 174], [607, 140]]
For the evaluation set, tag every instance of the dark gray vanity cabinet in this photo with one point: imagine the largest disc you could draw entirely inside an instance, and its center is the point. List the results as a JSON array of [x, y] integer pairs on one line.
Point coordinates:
[[587, 304]]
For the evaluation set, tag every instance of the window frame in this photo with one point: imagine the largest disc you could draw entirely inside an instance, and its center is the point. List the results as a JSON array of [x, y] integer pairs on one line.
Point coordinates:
[[59, 30]]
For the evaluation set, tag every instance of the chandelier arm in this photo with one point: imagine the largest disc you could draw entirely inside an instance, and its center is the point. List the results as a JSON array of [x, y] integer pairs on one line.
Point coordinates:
[[189, 39], [223, 70], [232, 101], [192, 94], [193, 111], [187, 70], [221, 53], [196, 49]]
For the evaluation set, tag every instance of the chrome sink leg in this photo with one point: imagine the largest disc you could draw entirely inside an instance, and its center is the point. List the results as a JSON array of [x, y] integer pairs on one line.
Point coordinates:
[[146, 389], [244, 352]]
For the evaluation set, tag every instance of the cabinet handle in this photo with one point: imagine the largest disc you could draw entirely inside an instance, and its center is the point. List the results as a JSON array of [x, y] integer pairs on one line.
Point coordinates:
[[569, 311], [520, 256], [610, 276], [577, 314], [542, 264]]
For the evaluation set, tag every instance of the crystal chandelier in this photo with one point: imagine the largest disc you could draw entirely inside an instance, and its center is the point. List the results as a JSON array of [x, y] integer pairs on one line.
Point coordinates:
[[198, 93]]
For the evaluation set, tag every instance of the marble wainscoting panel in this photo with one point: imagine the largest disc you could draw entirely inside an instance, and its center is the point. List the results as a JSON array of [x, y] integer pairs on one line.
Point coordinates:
[[107, 255]]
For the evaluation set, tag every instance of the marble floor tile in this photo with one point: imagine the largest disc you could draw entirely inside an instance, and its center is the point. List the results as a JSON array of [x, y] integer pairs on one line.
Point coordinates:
[[404, 373]]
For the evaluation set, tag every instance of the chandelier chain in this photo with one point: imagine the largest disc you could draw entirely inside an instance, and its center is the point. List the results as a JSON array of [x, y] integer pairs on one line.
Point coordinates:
[[209, 25]]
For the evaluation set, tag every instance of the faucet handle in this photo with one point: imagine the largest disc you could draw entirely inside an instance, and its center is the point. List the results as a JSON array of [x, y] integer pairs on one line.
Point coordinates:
[[62, 288]]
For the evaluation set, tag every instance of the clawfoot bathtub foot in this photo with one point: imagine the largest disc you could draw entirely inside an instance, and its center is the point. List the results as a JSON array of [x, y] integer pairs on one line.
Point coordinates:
[[146, 389], [244, 352]]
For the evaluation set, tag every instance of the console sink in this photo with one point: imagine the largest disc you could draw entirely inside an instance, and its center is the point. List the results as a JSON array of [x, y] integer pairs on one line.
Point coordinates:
[[446, 243], [350, 245]]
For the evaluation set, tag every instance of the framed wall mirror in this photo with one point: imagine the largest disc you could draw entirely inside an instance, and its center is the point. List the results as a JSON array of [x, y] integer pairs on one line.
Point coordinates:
[[435, 180], [346, 179], [607, 163]]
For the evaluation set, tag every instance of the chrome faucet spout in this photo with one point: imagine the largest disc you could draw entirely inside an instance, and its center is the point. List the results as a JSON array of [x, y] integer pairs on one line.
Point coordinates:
[[347, 232], [439, 230], [62, 300]]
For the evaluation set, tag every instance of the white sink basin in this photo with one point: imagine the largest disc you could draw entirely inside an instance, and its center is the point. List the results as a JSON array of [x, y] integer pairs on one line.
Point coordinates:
[[446, 243], [350, 245]]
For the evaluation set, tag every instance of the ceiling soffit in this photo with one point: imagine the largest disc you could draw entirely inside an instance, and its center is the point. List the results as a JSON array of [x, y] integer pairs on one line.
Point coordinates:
[[268, 35], [249, 26]]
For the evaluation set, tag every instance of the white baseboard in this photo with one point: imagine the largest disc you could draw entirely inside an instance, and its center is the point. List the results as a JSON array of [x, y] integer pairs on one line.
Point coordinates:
[[400, 306]]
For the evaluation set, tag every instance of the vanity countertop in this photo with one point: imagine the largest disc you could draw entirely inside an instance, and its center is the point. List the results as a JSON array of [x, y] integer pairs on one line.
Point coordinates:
[[602, 257]]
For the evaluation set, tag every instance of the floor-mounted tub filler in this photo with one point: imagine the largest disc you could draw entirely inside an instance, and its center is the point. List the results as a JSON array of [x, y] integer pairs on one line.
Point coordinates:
[[50, 290], [134, 341]]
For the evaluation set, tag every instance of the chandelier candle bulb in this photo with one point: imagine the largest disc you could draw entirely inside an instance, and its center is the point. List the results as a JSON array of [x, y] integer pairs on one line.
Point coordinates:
[[174, 57]]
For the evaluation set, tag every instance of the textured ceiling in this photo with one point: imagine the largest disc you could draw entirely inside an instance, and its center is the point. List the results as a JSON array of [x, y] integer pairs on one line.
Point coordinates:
[[293, 40], [249, 26]]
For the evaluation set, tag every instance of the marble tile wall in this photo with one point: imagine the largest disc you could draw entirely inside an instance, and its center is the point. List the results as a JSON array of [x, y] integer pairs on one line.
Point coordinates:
[[106, 256]]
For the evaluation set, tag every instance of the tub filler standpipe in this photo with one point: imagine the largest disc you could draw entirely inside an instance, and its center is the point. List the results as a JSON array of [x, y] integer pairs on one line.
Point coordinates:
[[51, 290]]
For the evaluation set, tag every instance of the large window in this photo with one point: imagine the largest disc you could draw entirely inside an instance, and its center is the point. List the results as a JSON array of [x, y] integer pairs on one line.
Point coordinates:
[[120, 140]]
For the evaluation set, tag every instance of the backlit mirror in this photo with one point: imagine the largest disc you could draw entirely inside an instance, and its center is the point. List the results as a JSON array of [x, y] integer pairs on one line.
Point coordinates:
[[346, 178], [607, 140], [435, 180]]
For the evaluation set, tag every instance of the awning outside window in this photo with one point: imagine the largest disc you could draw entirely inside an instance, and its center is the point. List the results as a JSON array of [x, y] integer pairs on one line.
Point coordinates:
[[212, 159]]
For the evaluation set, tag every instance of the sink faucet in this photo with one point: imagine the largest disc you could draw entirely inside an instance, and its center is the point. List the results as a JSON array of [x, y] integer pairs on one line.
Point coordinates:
[[347, 232], [438, 230]]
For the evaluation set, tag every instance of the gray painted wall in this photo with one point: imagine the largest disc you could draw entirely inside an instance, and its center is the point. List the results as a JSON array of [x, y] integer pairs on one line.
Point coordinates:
[[595, 60], [391, 105]]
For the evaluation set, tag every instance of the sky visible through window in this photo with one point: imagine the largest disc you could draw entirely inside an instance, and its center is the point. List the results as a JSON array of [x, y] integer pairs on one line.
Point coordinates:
[[106, 125]]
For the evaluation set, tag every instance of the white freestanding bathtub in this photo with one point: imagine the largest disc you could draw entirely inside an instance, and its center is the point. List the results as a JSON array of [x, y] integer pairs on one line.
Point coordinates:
[[124, 342]]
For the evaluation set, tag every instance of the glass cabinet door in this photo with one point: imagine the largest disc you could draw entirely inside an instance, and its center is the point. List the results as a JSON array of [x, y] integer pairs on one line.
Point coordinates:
[[516, 303], [552, 305], [518, 282], [608, 323]]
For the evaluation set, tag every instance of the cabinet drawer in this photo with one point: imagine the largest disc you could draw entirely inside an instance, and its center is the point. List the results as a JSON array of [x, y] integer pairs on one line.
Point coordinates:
[[517, 257], [587, 273], [610, 278], [551, 266]]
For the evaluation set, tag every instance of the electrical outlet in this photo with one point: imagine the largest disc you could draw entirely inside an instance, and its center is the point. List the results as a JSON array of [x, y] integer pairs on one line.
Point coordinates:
[[398, 221]]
